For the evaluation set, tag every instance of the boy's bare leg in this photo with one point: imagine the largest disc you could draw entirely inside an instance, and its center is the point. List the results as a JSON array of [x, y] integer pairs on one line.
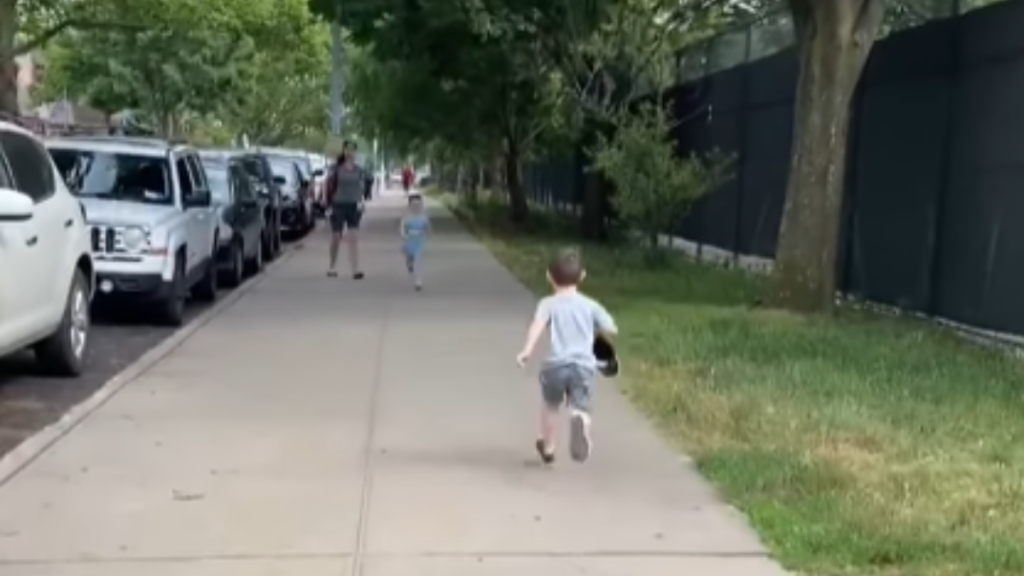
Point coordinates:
[[548, 441]]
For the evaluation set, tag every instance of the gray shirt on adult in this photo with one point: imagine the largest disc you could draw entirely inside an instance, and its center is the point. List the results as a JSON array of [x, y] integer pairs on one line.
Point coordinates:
[[348, 184]]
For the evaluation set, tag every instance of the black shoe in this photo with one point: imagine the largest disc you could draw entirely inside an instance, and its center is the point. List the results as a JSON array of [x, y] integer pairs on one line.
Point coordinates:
[[542, 450], [358, 276], [332, 274]]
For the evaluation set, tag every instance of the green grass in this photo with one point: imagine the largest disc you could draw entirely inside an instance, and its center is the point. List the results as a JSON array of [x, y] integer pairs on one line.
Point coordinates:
[[857, 445]]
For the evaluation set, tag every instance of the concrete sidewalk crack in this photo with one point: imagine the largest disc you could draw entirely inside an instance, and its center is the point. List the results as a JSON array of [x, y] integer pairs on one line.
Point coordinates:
[[366, 492]]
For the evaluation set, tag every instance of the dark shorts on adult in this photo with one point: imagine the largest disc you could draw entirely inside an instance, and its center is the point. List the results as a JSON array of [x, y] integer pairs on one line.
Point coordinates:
[[345, 215]]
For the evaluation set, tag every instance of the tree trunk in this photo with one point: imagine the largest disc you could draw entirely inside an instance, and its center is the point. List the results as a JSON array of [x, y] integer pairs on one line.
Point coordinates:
[[519, 209], [835, 39], [167, 123], [593, 221], [8, 67]]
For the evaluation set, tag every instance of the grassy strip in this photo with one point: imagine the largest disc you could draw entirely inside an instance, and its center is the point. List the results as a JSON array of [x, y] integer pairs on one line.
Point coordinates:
[[857, 446]]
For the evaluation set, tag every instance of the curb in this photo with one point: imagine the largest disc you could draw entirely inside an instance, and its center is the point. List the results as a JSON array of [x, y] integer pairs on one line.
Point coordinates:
[[24, 454]]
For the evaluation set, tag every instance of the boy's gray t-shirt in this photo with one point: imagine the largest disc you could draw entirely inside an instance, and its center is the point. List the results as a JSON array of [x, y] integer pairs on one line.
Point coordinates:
[[572, 320]]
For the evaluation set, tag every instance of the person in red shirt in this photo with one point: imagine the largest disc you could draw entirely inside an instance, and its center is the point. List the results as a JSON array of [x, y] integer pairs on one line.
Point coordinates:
[[408, 176]]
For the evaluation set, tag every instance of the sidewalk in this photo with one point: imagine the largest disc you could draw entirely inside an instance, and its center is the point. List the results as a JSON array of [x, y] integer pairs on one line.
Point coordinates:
[[322, 427]]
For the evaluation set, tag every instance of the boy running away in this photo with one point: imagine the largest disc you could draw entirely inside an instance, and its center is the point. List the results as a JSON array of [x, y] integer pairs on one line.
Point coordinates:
[[572, 321]]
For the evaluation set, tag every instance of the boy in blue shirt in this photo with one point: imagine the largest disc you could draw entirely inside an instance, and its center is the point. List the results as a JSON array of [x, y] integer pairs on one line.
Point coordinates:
[[567, 375]]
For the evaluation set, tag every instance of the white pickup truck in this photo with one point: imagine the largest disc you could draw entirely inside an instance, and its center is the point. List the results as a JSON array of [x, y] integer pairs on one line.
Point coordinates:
[[153, 228]]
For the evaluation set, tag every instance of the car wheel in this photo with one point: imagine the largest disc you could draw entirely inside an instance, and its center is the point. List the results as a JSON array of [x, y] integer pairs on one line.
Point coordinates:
[[64, 352], [237, 272], [255, 265], [267, 240], [278, 240], [206, 290], [172, 307]]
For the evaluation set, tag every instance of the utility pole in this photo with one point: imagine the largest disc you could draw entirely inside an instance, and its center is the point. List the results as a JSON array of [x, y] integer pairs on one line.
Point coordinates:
[[337, 76]]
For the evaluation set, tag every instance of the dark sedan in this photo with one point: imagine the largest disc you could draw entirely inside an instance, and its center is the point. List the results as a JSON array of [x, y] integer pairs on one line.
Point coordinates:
[[258, 168], [297, 205], [242, 238]]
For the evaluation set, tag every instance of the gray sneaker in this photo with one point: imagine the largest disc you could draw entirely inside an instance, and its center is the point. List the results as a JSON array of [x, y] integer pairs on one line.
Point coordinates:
[[579, 436]]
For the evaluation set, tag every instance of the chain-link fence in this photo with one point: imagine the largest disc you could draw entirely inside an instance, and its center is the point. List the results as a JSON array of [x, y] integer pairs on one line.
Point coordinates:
[[774, 33]]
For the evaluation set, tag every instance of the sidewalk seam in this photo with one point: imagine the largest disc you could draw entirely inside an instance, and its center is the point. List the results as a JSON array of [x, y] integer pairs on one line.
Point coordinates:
[[366, 490], [36, 445]]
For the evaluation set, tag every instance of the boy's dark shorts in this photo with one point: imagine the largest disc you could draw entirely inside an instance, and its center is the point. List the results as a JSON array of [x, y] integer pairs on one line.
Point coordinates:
[[569, 384], [345, 215]]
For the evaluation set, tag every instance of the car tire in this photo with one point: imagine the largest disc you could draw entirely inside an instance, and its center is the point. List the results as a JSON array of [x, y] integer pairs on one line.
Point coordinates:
[[64, 352], [236, 273], [206, 289], [172, 307], [254, 265], [278, 242], [267, 240]]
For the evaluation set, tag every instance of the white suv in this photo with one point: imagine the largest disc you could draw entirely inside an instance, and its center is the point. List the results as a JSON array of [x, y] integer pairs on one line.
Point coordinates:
[[153, 228], [46, 269]]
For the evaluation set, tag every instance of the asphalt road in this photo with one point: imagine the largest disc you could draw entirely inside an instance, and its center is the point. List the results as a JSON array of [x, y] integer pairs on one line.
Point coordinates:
[[30, 401]]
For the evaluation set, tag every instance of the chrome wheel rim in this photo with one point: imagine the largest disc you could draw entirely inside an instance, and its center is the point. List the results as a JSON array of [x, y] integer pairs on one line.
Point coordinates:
[[78, 330]]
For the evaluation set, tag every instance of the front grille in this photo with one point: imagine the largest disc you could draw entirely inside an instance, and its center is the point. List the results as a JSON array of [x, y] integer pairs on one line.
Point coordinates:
[[107, 239]]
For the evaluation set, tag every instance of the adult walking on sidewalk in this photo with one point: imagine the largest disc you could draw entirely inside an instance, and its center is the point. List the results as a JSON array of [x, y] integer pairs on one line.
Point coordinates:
[[345, 187], [408, 179]]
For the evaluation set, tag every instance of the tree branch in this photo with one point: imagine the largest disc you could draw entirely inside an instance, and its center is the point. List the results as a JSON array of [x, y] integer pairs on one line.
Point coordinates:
[[52, 32]]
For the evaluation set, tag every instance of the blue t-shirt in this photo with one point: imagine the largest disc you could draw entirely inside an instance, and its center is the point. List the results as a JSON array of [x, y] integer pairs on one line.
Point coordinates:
[[573, 320], [415, 227]]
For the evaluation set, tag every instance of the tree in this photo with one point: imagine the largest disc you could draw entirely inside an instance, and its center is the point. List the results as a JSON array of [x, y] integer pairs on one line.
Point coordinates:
[[187, 57], [833, 40], [285, 95], [654, 187], [28, 25], [492, 80]]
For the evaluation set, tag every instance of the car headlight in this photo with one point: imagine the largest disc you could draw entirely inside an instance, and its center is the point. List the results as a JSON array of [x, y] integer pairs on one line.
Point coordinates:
[[135, 239]]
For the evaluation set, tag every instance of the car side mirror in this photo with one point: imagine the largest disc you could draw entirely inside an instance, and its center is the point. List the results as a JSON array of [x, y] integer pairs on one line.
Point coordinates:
[[15, 206], [280, 180], [199, 199]]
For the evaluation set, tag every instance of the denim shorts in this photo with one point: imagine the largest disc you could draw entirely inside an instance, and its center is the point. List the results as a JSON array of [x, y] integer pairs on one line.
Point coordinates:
[[570, 384]]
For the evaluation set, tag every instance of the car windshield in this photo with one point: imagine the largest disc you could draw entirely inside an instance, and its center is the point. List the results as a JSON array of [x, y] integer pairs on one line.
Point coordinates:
[[217, 176], [305, 166], [115, 176], [285, 167]]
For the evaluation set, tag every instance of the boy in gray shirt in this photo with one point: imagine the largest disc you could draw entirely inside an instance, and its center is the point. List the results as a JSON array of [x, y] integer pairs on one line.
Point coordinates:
[[567, 375]]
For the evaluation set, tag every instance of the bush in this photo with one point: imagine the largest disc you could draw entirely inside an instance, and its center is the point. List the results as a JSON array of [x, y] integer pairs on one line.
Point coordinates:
[[654, 188]]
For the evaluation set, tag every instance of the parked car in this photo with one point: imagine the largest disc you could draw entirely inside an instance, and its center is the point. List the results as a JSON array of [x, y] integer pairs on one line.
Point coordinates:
[[47, 273], [259, 170], [297, 202], [240, 209], [153, 227], [319, 165]]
